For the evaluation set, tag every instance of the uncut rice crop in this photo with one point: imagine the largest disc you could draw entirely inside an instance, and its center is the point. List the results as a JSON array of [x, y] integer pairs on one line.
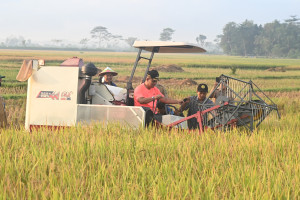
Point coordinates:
[[114, 162]]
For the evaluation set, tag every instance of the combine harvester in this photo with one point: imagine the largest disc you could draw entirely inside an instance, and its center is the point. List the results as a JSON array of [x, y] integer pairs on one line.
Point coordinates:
[[65, 95]]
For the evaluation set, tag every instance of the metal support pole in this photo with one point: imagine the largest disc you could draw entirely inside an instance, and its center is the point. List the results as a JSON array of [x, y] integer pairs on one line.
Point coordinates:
[[129, 83], [199, 119], [149, 63]]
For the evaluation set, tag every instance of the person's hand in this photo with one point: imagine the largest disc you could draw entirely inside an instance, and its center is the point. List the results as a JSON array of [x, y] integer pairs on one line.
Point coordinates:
[[187, 100], [158, 97], [177, 112], [180, 102]]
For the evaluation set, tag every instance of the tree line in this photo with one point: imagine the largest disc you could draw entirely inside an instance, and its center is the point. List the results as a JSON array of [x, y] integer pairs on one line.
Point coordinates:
[[274, 39]]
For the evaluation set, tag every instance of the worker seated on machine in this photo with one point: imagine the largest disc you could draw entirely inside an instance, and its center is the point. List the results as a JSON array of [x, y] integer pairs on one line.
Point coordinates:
[[106, 83], [147, 95], [106, 76], [221, 92], [163, 109], [196, 103]]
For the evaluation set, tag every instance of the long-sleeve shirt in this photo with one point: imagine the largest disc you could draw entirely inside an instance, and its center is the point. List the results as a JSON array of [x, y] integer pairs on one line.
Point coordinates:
[[193, 107]]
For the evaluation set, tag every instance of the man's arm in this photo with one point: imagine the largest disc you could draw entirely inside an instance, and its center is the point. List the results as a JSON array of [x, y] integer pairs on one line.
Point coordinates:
[[145, 100], [213, 95], [184, 105], [170, 101]]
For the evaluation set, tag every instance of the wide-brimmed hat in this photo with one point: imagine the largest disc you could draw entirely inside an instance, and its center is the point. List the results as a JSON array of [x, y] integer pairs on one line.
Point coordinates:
[[108, 70]]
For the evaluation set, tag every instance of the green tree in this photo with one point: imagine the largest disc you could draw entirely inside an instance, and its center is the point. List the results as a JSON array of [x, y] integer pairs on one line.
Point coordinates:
[[239, 39], [201, 39], [272, 39], [293, 20], [84, 42], [57, 42], [101, 34], [247, 32], [228, 38], [217, 40], [166, 34], [130, 40], [279, 39], [267, 39]]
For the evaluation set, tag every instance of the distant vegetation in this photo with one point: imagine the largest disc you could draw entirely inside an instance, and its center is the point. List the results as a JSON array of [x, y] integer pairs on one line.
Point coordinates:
[[273, 39]]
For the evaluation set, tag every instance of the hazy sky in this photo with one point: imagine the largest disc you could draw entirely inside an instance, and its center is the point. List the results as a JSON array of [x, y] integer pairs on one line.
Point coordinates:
[[44, 20]]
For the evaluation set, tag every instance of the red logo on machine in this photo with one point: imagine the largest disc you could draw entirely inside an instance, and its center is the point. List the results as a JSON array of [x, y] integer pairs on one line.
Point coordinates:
[[66, 95], [48, 94]]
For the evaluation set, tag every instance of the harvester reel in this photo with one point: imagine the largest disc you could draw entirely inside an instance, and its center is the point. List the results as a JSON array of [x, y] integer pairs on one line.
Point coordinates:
[[242, 104], [221, 100]]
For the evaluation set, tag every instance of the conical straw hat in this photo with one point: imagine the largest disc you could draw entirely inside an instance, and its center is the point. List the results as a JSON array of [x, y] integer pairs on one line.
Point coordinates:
[[108, 70]]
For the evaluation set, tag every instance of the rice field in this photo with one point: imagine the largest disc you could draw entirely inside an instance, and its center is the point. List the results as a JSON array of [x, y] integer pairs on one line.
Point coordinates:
[[114, 162]]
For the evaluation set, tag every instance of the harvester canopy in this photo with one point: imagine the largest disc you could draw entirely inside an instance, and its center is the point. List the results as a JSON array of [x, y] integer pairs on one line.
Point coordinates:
[[160, 47], [168, 47]]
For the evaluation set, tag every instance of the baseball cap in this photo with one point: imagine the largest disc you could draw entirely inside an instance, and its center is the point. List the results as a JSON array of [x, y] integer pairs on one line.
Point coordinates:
[[154, 74], [202, 88]]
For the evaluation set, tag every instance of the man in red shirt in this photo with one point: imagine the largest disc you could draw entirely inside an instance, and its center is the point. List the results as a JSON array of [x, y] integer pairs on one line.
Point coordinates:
[[147, 94]]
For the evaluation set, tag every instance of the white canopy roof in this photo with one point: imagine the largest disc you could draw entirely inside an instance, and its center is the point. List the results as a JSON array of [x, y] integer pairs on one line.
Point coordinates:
[[168, 47]]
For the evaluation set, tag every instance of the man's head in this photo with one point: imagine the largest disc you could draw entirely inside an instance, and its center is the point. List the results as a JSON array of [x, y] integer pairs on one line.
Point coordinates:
[[152, 78], [224, 85], [161, 108], [202, 91]]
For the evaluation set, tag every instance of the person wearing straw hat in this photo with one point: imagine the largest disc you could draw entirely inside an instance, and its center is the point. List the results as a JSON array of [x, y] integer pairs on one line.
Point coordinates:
[[106, 76]]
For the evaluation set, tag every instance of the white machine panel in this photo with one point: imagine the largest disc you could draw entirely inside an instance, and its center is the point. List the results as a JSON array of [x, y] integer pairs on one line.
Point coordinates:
[[168, 119], [52, 97], [131, 116]]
